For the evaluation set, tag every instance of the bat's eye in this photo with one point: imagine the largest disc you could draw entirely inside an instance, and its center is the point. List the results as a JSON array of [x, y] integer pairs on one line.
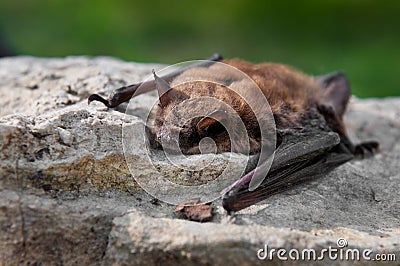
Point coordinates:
[[194, 132], [214, 130]]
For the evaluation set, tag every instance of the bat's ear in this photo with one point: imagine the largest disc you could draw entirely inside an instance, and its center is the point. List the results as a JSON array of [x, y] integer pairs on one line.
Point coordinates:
[[218, 116], [336, 90], [162, 88], [165, 93]]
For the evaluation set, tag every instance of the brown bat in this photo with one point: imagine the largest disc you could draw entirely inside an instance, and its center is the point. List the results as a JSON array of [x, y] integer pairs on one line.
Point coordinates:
[[308, 113]]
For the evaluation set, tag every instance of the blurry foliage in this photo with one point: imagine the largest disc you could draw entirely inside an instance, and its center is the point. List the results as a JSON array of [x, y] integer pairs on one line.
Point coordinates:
[[361, 37]]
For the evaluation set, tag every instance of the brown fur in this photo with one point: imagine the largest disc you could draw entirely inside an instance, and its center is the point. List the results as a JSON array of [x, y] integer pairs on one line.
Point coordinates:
[[289, 92]]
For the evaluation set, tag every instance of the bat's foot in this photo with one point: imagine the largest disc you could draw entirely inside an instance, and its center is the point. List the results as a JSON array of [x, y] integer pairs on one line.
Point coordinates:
[[360, 151], [366, 149]]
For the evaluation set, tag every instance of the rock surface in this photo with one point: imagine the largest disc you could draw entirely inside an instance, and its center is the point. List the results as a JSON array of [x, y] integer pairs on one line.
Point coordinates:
[[67, 196]]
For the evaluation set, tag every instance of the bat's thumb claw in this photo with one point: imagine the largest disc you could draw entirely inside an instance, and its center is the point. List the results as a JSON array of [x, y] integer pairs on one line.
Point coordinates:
[[96, 97]]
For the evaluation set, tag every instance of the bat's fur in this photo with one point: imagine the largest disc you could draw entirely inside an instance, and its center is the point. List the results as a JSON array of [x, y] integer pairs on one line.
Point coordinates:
[[296, 100], [289, 92]]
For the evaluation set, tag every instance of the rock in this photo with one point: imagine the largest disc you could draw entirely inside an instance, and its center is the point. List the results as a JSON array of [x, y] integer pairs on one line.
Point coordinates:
[[67, 195]]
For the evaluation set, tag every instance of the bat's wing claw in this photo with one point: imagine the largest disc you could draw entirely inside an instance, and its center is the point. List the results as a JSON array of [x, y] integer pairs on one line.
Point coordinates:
[[96, 97], [124, 94], [215, 57]]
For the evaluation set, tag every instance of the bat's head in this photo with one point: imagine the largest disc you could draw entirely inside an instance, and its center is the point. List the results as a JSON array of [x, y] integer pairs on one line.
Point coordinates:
[[202, 117]]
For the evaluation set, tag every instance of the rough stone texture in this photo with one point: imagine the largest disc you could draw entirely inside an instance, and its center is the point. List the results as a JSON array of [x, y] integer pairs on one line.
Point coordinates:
[[68, 198]]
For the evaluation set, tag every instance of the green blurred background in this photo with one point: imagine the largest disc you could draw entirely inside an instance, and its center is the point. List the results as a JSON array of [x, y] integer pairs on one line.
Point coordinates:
[[361, 37]]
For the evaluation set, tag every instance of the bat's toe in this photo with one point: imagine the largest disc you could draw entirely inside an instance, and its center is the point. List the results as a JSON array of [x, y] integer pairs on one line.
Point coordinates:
[[366, 149]]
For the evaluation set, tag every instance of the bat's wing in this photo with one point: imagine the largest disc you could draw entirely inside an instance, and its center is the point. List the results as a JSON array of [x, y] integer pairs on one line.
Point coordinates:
[[124, 94], [300, 157], [305, 155]]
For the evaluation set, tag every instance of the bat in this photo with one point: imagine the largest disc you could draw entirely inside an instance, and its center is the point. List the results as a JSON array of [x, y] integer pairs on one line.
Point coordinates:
[[311, 138]]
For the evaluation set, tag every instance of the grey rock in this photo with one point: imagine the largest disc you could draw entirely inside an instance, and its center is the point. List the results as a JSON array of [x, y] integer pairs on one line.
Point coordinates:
[[67, 196]]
